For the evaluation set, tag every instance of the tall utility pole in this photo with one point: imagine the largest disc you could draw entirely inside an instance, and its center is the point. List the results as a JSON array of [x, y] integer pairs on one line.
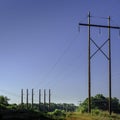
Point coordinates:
[[27, 98], [21, 96], [44, 96], [39, 98], [99, 48], [49, 98], [89, 67], [32, 97], [109, 56]]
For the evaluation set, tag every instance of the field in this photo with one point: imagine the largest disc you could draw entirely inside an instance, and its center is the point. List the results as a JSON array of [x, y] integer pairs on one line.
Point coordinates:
[[85, 116], [31, 115]]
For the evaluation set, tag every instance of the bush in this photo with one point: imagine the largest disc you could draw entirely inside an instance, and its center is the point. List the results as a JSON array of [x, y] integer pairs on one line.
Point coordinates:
[[96, 112], [2, 107], [57, 114], [82, 109]]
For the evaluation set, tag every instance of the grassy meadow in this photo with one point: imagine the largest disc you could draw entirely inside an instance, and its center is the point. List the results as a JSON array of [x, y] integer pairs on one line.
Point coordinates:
[[92, 116]]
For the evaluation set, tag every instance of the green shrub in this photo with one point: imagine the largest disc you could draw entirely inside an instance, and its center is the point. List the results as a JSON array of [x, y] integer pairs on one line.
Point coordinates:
[[2, 106], [96, 112], [57, 114]]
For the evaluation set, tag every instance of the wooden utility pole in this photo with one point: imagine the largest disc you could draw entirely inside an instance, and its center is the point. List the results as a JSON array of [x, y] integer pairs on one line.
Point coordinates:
[[32, 97], [49, 98], [44, 96], [27, 98], [39, 98], [21, 96], [99, 48], [109, 56], [89, 66]]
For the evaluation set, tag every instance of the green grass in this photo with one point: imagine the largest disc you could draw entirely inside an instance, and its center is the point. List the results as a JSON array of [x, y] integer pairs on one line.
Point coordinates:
[[92, 116]]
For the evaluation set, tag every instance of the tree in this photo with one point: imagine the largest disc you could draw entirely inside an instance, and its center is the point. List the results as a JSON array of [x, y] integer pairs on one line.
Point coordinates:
[[4, 100], [115, 105], [100, 102]]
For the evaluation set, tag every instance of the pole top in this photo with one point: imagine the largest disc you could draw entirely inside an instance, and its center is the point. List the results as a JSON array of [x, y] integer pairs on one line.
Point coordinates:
[[109, 17], [89, 14]]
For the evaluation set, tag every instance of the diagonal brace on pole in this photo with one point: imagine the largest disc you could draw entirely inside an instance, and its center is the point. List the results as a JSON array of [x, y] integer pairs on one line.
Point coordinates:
[[99, 49]]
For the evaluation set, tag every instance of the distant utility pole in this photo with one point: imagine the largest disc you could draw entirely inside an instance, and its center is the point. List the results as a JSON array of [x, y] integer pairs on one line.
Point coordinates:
[[32, 97], [21, 96], [27, 98], [99, 48], [49, 98], [39, 98], [44, 96]]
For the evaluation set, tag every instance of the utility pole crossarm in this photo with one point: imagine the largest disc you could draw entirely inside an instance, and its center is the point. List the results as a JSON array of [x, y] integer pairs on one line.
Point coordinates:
[[103, 26]]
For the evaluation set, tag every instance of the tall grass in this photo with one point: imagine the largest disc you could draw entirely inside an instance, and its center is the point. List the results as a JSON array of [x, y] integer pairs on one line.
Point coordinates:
[[95, 115]]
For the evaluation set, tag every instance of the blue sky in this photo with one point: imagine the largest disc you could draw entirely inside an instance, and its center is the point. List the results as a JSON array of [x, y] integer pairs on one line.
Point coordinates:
[[41, 48]]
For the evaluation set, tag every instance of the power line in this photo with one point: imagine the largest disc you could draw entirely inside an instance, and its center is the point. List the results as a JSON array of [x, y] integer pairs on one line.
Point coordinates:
[[58, 61]]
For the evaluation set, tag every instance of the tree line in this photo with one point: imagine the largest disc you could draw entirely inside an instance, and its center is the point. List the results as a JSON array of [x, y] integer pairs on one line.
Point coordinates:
[[4, 104], [100, 102]]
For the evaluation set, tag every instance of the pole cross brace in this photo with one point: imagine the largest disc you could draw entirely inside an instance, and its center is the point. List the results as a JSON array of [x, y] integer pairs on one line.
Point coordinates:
[[99, 49]]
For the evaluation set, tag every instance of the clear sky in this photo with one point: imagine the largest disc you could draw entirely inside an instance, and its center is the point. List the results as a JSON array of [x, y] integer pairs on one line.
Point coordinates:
[[41, 48]]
